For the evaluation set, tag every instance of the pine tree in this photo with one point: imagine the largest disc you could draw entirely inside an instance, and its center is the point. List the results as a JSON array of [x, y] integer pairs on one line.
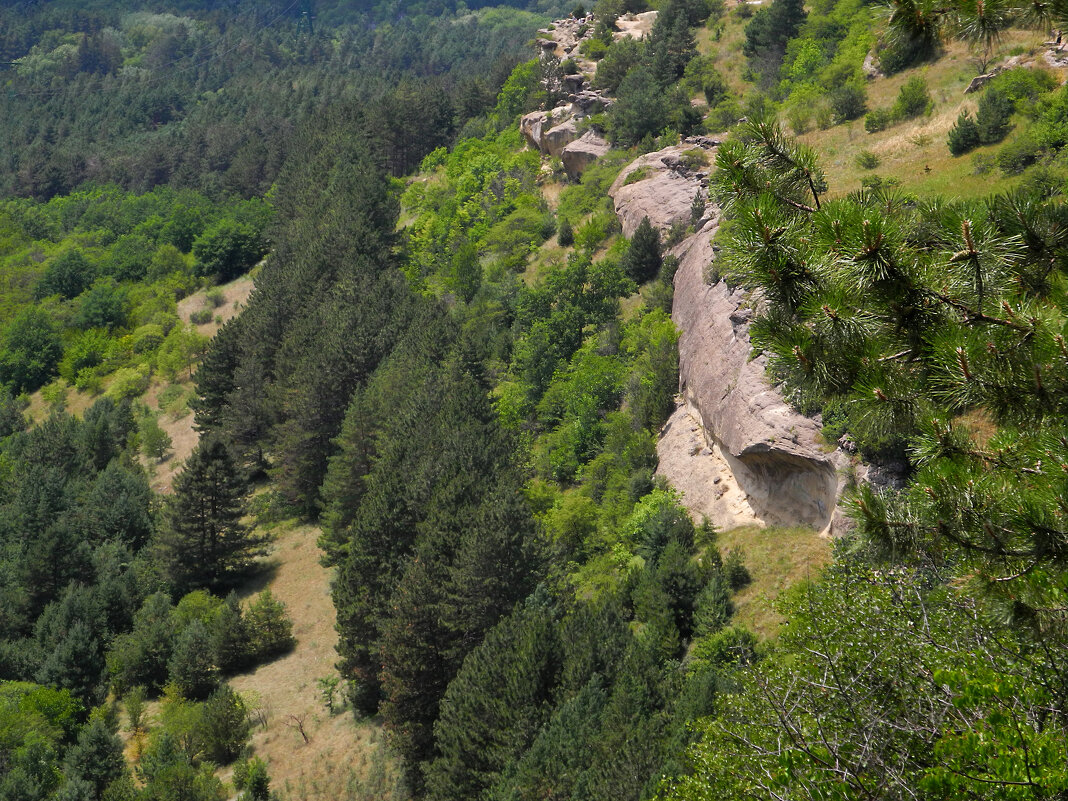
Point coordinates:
[[230, 638], [97, 757], [643, 259], [204, 543], [192, 667], [495, 705]]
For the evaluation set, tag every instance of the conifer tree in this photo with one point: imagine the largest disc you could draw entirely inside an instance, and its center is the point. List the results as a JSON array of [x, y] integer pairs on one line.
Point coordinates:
[[204, 542], [643, 259], [192, 667]]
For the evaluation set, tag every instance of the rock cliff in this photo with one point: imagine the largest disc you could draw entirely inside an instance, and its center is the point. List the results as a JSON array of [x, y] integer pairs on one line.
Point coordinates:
[[738, 452]]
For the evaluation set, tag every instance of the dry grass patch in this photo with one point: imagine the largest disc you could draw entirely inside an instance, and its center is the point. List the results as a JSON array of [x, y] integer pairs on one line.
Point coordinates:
[[777, 559], [342, 758], [234, 297]]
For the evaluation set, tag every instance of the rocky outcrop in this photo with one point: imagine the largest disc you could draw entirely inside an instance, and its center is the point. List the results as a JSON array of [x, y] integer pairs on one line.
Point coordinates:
[[667, 182], [581, 153], [636, 26], [777, 468], [734, 447], [549, 131], [554, 140]]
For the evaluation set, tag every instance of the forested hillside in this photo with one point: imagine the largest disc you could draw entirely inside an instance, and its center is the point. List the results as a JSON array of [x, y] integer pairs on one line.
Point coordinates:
[[454, 369]]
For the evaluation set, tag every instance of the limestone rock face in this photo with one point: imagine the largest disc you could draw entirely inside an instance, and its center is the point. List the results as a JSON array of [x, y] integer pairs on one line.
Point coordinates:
[[581, 153], [777, 467], [549, 131], [738, 452], [665, 190]]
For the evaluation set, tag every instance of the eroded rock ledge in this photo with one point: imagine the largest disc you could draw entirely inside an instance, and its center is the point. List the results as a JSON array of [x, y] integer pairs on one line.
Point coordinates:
[[738, 452]]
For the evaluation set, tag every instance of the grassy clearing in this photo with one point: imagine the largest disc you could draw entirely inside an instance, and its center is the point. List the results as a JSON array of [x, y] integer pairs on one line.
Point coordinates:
[[341, 753], [726, 51], [915, 152], [777, 559]]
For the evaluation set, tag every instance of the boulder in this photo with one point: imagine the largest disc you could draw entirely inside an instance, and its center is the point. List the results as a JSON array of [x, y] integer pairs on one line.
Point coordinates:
[[548, 131], [589, 101], [530, 126], [581, 153], [554, 140], [574, 82]]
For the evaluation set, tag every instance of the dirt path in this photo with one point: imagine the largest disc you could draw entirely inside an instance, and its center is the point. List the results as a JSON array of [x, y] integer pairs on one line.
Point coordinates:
[[342, 759]]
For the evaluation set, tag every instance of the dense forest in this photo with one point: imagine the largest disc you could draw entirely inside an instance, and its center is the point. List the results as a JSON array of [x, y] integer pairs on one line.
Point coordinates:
[[453, 369]]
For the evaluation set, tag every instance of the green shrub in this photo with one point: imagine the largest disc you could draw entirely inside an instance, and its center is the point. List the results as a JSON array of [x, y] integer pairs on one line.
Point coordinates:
[[877, 120], [724, 115], [201, 316], [848, 102], [867, 160], [1024, 85], [228, 249], [715, 88], [155, 442], [634, 176], [693, 160], [993, 117], [222, 730], [147, 338], [270, 629], [1015, 156], [129, 382], [593, 48], [964, 135], [913, 99], [565, 235], [215, 298]]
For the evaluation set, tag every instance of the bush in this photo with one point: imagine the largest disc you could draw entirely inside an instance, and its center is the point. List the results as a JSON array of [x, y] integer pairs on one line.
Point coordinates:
[[913, 100], [192, 666], [993, 118], [565, 235], [227, 249], [201, 316], [270, 629], [735, 571], [877, 120], [593, 48], [715, 88], [964, 135], [724, 116], [129, 382], [1019, 154], [222, 730], [643, 259], [1023, 86], [848, 102], [634, 176], [103, 305], [867, 160], [155, 442]]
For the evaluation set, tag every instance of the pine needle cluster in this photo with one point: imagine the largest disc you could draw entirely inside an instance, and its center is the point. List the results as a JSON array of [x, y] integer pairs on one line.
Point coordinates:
[[915, 318]]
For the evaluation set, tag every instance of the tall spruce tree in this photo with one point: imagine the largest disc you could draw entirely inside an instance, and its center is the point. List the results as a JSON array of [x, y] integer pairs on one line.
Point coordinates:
[[204, 543], [643, 259]]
